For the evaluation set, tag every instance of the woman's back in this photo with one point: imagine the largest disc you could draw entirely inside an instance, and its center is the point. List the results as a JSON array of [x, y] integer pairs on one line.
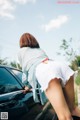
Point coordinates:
[[28, 56]]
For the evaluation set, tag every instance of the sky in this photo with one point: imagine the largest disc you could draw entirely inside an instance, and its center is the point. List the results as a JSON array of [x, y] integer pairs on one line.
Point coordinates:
[[50, 21]]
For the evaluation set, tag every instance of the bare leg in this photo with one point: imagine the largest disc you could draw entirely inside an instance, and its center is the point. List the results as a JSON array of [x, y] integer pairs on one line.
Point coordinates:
[[70, 96], [56, 97]]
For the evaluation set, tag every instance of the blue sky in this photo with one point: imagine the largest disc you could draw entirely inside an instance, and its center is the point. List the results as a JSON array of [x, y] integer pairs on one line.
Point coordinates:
[[49, 21]]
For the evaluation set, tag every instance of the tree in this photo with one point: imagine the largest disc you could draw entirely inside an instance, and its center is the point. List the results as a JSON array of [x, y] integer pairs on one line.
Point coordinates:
[[15, 64], [77, 80], [3, 61], [67, 50]]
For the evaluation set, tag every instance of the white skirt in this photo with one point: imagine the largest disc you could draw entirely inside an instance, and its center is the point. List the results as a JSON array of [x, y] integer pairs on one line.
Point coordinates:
[[45, 72]]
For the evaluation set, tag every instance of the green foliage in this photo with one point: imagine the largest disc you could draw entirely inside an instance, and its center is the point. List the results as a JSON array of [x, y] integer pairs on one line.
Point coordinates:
[[75, 64], [16, 65], [76, 97], [78, 60], [12, 63], [66, 49], [3, 61], [64, 45], [77, 79]]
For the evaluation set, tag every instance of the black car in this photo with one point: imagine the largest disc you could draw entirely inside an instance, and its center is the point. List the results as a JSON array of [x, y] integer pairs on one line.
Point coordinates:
[[14, 103]]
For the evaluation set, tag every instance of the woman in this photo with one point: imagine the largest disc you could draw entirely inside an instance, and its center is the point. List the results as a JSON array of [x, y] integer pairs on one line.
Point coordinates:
[[55, 79]]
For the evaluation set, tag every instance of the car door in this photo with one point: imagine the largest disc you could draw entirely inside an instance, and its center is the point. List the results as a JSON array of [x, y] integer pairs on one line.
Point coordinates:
[[11, 95]]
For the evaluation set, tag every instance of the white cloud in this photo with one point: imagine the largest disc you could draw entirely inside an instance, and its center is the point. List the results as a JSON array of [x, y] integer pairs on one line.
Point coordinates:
[[24, 1], [6, 8], [55, 23]]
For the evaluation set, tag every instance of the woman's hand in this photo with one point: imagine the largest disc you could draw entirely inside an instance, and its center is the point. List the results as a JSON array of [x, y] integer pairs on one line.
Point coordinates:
[[26, 89]]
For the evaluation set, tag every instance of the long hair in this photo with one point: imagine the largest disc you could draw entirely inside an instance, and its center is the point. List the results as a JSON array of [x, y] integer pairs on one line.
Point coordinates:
[[28, 40]]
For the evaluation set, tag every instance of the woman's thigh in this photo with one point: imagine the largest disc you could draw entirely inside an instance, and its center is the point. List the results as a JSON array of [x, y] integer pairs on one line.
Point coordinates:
[[69, 93], [56, 97]]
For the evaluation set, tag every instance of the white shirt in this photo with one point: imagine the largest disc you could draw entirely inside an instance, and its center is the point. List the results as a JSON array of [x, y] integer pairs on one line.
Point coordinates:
[[28, 56]]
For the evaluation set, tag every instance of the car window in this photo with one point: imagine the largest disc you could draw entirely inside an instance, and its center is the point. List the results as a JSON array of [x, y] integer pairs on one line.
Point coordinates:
[[22, 77], [8, 82], [18, 74]]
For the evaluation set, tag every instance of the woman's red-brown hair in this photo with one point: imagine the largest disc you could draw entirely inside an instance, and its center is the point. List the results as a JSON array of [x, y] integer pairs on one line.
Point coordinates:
[[28, 40]]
